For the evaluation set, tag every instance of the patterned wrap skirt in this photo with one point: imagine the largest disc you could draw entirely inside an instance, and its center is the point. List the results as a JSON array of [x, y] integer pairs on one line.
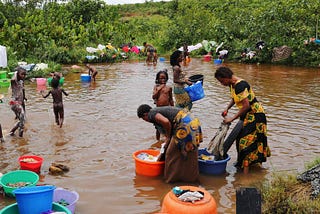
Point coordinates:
[[179, 164], [182, 99], [252, 140]]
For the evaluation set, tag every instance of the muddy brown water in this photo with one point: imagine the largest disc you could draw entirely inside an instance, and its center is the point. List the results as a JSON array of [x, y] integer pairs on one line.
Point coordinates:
[[101, 132]]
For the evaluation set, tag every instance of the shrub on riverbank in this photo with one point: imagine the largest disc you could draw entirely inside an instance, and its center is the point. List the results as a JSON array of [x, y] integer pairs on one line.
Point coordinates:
[[285, 194]]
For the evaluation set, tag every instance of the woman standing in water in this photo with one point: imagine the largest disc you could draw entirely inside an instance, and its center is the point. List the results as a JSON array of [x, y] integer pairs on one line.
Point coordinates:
[[182, 98], [251, 142], [183, 136]]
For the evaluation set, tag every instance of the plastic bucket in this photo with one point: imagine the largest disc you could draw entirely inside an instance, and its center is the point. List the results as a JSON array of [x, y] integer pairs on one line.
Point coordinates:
[[61, 81], [212, 167], [196, 78], [195, 91], [85, 78], [4, 83], [207, 58], [217, 61], [171, 203], [30, 162], [10, 74], [35, 199], [148, 168], [18, 176], [162, 59], [13, 209], [41, 88], [3, 74], [41, 81], [61, 195]]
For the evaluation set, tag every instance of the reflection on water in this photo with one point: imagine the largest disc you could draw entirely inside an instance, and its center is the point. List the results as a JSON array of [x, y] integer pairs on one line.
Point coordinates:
[[101, 131]]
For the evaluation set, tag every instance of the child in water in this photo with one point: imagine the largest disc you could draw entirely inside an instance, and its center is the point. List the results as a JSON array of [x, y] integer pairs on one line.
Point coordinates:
[[92, 71], [56, 93], [17, 100], [162, 94]]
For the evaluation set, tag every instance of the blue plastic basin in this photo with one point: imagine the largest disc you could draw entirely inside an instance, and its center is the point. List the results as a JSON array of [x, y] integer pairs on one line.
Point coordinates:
[[212, 167]]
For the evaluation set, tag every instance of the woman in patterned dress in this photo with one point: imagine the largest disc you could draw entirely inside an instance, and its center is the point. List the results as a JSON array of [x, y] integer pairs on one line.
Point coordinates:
[[183, 136], [252, 140]]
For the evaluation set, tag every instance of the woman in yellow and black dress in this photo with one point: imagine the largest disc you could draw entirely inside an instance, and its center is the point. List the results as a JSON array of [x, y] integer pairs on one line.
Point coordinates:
[[252, 140]]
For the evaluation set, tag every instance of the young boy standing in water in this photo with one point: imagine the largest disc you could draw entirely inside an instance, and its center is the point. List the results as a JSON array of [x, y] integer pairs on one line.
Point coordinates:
[[162, 94], [17, 100], [92, 71], [56, 93]]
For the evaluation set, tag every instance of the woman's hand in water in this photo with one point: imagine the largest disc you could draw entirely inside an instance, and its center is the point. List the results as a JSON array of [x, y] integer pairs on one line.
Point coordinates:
[[227, 119]]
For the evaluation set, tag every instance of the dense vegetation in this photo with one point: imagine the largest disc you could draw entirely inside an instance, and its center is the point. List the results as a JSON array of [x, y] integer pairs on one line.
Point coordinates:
[[48, 31]]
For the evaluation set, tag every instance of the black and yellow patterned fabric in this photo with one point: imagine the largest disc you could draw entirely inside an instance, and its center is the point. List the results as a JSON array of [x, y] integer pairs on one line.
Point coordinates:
[[252, 140]]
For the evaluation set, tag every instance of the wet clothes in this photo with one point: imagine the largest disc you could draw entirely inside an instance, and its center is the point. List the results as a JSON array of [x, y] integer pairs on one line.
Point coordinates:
[[179, 164], [252, 139], [216, 145]]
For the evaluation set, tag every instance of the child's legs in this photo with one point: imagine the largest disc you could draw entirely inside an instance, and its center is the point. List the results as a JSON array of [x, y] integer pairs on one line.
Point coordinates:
[[56, 113], [1, 134], [94, 74], [21, 119], [155, 57], [16, 126], [19, 112], [149, 56], [61, 115]]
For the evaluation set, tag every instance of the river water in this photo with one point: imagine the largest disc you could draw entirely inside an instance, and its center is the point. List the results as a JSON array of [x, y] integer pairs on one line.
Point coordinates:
[[102, 130]]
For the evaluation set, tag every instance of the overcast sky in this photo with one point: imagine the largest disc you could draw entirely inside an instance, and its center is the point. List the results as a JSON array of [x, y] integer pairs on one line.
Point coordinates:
[[129, 1]]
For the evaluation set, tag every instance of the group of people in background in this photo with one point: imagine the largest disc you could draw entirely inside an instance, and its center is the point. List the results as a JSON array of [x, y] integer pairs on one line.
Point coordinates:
[[182, 131]]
